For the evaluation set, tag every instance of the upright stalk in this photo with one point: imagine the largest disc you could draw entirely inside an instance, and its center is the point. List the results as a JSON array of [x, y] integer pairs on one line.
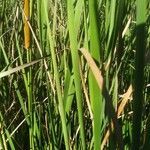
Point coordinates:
[[139, 73], [56, 76], [76, 71], [26, 26], [95, 93]]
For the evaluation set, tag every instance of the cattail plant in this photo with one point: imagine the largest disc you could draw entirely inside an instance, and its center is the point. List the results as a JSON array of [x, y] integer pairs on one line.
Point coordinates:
[[74, 74], [26, 26]]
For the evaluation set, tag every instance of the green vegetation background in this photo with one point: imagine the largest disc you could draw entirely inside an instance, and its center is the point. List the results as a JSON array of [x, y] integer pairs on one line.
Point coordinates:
[[84, 80]]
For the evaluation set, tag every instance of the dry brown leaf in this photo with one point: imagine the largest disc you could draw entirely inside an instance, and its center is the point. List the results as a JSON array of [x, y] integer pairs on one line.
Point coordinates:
[[120, 110], [100, 81]]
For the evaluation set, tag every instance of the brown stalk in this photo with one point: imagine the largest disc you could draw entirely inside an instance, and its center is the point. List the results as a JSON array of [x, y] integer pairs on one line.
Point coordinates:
[[26, 26]]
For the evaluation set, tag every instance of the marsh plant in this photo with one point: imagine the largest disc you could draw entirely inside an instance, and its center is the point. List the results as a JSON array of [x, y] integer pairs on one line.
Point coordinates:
[[74, 74]]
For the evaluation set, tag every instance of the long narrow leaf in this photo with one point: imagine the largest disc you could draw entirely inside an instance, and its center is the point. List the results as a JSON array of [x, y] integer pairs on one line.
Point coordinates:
[[13, 70]]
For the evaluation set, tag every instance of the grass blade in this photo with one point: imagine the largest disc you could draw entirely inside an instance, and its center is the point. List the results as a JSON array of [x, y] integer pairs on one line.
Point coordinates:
[[56, 75], [95, 92], [139, 72], [13, 70], [76, 71]]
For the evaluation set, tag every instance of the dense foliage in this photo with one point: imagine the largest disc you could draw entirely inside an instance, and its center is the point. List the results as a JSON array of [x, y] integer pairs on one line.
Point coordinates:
[[74, 74]]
